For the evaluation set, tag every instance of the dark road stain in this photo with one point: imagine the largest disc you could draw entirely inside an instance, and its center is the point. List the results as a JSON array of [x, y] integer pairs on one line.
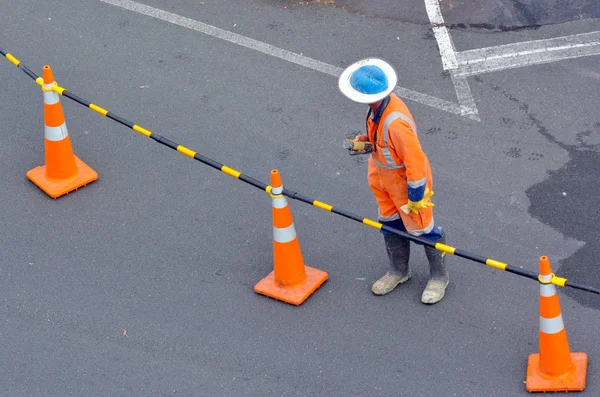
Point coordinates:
[[433, 131], [491, 15], [575, 215], [526, 13], [567, 202], [409, 11], [535, 156], [506, 15], [513, 152], [284, 154]]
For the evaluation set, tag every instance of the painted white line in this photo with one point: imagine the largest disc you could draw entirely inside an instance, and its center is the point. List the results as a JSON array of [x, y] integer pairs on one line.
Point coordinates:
[[531, 47], [442, 36], [468, 108], [510, 56], [466, 102], [226, 35], [429, 100], [270, 50]]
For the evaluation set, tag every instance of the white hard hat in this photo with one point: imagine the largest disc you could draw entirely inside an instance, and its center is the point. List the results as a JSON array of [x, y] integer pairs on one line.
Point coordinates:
[[368, 81]]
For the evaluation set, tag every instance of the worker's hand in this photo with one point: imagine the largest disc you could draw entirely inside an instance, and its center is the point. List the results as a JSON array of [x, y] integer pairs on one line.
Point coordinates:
[[415, 206], [362, 138], [357, 147]]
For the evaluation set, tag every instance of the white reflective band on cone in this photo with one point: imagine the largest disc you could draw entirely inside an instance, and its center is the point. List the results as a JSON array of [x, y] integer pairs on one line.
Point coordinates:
[[547, 290], [50, 97], [279, 202], [552, 325], [56, 133], [284, 235]]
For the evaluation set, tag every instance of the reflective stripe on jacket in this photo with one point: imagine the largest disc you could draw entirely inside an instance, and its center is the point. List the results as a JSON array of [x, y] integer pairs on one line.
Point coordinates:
[[398, 146]]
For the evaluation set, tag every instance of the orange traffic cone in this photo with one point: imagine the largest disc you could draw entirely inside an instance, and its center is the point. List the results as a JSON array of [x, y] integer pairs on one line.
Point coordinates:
[[63, 171], [554, 368], [290, 281]]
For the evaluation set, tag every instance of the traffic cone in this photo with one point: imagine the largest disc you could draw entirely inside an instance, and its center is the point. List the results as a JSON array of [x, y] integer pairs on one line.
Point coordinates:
[[554, 368], [290, 281], [63, 171]]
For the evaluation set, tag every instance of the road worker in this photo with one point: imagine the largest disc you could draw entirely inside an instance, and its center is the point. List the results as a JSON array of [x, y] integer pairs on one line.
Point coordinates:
[[399, 175]]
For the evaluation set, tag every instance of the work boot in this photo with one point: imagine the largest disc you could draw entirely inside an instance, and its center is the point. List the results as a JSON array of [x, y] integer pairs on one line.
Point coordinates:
[[438, 277], [398, 250]]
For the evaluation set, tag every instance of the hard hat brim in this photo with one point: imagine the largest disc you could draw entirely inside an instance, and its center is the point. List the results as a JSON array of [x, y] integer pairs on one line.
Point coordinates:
[[357, 96]]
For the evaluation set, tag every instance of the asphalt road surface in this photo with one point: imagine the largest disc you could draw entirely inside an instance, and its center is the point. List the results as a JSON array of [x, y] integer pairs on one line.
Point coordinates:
[[468, 14], [141, 283]]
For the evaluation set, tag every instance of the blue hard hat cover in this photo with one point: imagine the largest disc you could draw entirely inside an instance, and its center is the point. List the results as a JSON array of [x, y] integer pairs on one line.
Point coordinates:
[[369, 79]]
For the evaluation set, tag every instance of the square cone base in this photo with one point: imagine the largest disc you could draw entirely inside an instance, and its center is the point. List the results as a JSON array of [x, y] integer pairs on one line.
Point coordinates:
[[58, 187], [293, 294], [572, 381]]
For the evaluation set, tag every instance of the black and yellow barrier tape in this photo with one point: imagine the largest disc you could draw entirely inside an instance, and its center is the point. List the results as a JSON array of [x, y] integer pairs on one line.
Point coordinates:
[[562, 282]]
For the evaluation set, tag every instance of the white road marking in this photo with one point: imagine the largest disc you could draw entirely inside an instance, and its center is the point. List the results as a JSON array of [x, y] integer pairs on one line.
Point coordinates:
[[429, 100], [442, 36], [272, 50], [510, 56], [448, 53], [462, 64], [468, 108]]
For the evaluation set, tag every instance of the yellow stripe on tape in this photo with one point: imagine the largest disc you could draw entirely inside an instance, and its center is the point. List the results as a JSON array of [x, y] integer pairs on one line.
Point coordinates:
[[231, 171], [496, 264], [322, 205], [142, 130], [13, 60], [186, 151], [559, 281], [371, 223], [98, 109], [445, 248]]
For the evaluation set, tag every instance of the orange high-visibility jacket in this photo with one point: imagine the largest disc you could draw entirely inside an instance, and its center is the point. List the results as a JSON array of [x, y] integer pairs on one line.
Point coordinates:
[[398, 168]]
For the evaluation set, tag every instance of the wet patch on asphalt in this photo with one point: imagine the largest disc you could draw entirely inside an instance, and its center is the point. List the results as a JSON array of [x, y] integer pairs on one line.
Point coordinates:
[[566, 202], [504, 15], [492, 15]]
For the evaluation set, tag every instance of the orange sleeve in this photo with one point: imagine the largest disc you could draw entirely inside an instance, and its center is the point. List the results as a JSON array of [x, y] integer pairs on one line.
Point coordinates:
[[408, 148]]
